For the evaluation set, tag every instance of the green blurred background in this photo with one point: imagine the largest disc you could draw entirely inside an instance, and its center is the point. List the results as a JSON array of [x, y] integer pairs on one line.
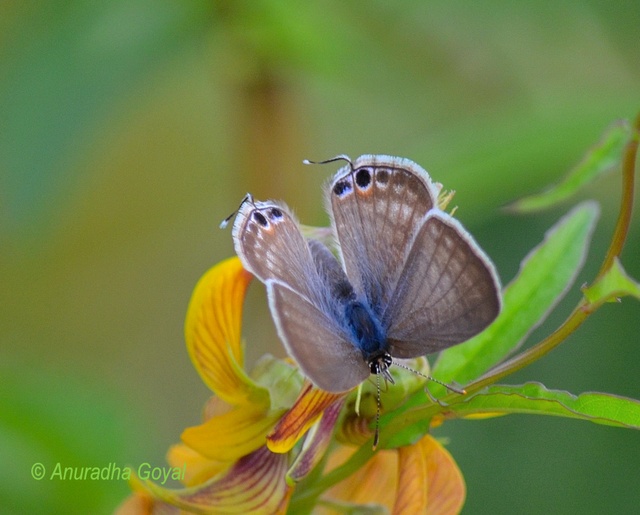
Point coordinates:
[[130, 128]]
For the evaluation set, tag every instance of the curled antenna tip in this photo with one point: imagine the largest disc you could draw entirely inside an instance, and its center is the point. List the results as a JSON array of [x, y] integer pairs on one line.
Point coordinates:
[[225, 222], [341, 157]]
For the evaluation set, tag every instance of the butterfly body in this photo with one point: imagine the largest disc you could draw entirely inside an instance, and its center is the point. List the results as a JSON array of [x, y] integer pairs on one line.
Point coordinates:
[[367, 334], [408, 280]]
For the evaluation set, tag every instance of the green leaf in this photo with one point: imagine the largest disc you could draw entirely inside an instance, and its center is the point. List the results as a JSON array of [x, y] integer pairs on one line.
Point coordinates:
[[615, 283], [544, 277], [535, 398], [600, 158]]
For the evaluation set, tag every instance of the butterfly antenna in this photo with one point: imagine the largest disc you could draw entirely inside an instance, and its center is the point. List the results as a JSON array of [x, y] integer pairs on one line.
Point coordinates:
[[225, 222], [341, 157], [376, 435], [447, 386], [433, 399]]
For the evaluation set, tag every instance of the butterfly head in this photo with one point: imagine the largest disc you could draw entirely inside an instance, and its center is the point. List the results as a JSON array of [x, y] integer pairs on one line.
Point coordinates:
[[379, 363]]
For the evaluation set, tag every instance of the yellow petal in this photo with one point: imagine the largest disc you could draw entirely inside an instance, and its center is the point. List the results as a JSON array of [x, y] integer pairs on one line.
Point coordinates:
[[198, 468], [212, 333], [412, 481], [373, 484], [232, 435], [303, 414], [447, 490], [429, 480], [215, 407], [255, 484]]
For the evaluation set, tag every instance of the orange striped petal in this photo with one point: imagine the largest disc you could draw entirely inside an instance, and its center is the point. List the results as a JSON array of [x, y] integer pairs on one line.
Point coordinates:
[[198, 469], [303, 414], [373, 485], [232, 435], [429, 480], [412, 481], [316, 443], [212, 332], [255, 484], [447, 490]]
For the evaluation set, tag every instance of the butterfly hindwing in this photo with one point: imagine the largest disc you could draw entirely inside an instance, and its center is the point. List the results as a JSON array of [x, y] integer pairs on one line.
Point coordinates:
[[317, 343], [447, 293]]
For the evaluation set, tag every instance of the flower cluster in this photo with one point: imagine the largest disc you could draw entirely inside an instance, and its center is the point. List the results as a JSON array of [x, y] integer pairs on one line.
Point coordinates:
[[270, 442]]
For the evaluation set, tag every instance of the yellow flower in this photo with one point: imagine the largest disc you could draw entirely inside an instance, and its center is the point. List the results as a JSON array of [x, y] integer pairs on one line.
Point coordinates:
[[419, 478], [247, 455]]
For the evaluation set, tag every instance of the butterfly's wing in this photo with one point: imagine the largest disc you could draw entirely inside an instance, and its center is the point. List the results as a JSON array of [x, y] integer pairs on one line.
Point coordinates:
[[324, 354], [304, 282], [377, 205], [448, 290]]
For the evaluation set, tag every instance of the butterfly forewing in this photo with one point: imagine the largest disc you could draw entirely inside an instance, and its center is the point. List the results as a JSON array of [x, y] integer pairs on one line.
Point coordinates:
[[306, 286], [268, 240], [377, 205], [447, 293]]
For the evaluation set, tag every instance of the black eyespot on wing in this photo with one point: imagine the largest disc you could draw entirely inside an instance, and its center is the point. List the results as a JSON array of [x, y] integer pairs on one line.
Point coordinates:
[[275, 213], [382, 177], [341, 188], [363, 178], [259, 217]]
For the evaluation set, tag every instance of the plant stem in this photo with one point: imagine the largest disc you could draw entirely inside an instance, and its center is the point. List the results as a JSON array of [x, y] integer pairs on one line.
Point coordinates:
[[624, 218]]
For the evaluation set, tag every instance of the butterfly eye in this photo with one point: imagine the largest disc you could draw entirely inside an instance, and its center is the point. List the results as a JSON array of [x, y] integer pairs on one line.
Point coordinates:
[[259, 217], [275, 213], [342, 188], [363, 178]]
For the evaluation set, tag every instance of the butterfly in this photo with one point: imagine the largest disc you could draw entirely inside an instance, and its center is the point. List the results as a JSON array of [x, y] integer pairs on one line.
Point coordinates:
[[408, 279]]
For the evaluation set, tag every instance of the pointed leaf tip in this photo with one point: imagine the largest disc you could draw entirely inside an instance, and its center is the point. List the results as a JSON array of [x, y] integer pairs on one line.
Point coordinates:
[[605, 155]]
